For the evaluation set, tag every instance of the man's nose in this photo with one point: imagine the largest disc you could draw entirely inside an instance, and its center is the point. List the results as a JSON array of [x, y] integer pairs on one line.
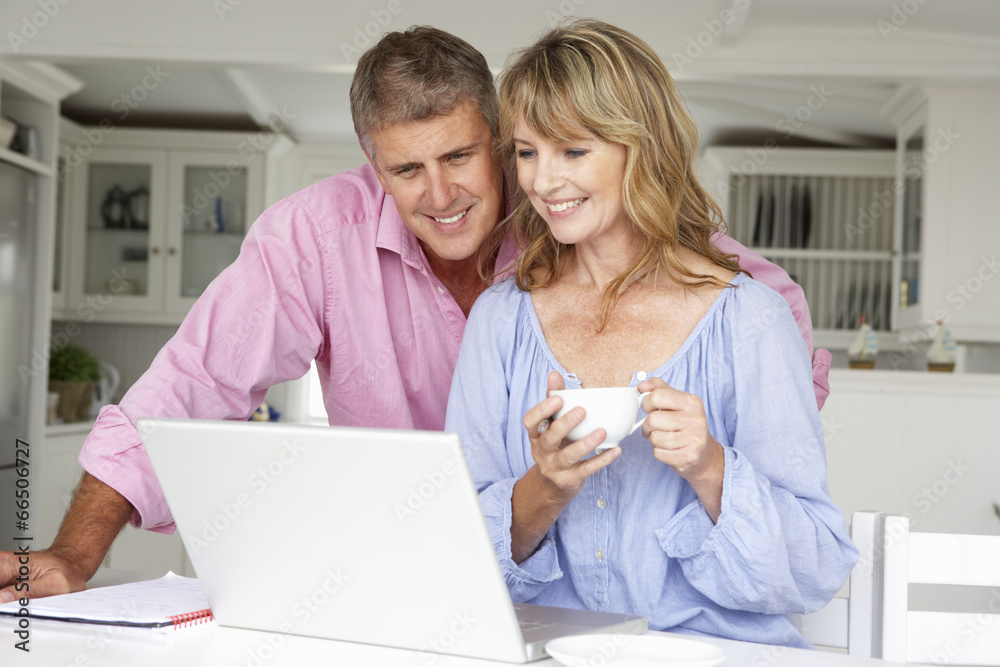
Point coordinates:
[[441, 191]]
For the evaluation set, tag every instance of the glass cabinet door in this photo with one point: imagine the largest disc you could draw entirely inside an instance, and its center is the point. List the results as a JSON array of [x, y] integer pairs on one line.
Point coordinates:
[[59, 241], [117, 242], [913, 169], [910, 168], [208, 220]]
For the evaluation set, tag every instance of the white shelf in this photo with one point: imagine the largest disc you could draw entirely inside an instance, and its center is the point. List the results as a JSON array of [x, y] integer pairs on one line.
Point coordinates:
[[801, 253], [28, 163]]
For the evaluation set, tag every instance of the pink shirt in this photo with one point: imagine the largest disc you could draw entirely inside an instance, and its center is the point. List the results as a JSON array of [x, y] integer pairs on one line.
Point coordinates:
[[332, 274]]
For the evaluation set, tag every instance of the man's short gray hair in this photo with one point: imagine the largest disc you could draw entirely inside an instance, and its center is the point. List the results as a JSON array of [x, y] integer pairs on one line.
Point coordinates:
[[416, 75]]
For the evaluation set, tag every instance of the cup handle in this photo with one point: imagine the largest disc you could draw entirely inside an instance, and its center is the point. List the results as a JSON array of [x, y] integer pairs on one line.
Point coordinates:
[[636, 426]]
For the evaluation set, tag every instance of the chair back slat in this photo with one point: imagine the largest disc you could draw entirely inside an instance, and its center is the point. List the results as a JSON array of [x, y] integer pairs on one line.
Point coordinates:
[[938, 637], [958, 560], [947, 638]]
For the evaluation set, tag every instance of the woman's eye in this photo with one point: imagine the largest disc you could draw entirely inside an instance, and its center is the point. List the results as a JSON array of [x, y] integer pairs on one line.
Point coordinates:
[[525, 154], [576, 152]]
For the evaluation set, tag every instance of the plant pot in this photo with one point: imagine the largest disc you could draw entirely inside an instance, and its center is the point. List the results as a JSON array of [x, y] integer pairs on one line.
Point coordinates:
[[75, 399]]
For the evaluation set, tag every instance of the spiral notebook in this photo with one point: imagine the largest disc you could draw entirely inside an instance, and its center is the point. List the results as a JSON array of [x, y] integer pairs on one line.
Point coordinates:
[[166, 603]]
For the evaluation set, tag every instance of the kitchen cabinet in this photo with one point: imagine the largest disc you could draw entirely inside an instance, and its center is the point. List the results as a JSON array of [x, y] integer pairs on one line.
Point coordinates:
[[826, 216], [948, 212], [153, 216]]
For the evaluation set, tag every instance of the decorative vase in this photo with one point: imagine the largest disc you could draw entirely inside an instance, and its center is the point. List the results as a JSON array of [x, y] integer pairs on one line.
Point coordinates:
[[75, 399]]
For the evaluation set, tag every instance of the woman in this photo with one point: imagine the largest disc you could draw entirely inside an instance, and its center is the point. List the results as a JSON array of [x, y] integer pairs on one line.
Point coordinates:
[[716, 518]]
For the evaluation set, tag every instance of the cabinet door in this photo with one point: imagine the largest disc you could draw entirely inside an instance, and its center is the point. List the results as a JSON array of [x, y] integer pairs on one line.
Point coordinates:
[[61, 236], [118, 234], [212, 197], [909, 221]]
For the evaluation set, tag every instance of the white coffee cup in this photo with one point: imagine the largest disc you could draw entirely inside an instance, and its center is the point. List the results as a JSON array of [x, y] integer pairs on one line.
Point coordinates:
[[611, 408]]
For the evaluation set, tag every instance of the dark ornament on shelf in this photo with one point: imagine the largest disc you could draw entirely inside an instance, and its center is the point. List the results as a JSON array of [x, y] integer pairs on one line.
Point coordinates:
[[138, 208], [114, 208]]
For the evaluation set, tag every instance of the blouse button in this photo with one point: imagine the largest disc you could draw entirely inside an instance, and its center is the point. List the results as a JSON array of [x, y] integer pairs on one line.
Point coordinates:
[[641, 376], [600, 554], [602, 503]]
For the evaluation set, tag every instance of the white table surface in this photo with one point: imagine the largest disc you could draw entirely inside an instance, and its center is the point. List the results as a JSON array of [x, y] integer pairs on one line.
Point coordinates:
[[59, 644]]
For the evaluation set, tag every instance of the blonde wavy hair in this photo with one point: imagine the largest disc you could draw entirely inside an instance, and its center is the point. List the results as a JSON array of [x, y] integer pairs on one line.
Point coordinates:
[[589, 76]]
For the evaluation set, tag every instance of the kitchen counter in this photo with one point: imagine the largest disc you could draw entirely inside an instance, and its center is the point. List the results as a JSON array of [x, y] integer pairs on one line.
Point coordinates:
[[914, 382]]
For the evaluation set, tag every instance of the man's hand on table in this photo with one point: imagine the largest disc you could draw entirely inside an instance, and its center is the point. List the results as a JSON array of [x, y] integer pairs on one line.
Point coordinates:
[[95, 517], [49, 573]]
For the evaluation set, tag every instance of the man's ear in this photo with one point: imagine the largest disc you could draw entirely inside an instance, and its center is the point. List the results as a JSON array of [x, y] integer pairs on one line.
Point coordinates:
[[378, 174]]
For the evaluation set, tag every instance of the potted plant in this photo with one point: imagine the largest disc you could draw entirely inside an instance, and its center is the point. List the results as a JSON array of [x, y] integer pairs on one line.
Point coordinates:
[[73, 374]]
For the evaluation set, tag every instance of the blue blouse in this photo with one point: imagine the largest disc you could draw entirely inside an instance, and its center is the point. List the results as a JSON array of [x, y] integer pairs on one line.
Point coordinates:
[[636, 539]]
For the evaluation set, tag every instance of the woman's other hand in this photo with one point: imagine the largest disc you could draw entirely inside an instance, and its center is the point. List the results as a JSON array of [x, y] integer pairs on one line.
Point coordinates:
[[678, 430]]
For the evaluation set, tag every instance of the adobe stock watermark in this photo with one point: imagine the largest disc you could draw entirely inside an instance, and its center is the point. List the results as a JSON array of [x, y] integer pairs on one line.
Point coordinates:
[[898, 17], [959, 296], [461, 623], [123, 105], [802, 114], [924, 500], [33, 24], [224, 7], [366, 34], [968, 630], [769, 656], [704, 40], [566, 9], [99, 642], [86, 311], [933, 493], [914, 167], [788, 125], [230, 511], [248, 150], [966, 291], [303, 609], [417, 495]]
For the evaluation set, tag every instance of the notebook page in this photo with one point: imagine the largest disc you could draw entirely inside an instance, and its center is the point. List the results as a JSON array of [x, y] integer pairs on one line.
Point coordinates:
[[143, 602]]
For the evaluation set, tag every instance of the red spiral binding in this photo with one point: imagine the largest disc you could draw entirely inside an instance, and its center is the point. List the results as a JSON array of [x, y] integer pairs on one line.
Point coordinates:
[[193, 618]]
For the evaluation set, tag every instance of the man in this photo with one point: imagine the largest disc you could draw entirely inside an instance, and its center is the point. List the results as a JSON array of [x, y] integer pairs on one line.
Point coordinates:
[[371, 273]]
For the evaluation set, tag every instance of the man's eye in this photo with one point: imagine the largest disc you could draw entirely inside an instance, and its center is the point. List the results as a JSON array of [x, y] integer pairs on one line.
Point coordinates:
[[459, 157]]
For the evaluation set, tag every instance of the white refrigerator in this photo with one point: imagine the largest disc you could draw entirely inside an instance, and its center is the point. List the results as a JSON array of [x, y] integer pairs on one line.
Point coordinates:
[[19, 239]]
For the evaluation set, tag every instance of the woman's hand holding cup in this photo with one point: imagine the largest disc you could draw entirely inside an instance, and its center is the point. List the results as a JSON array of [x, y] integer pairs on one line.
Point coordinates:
[[678, 430], [559, 460]]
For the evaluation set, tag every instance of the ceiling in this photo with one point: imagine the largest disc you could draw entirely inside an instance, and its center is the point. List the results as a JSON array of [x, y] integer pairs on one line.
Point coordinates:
[[802, 71]]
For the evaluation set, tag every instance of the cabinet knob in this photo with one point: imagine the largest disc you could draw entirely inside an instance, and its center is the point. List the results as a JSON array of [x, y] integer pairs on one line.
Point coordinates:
[[155, 250], [171, 251]]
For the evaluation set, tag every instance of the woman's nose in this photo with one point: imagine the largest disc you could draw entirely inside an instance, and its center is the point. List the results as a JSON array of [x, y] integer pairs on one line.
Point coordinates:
[[547, 176]]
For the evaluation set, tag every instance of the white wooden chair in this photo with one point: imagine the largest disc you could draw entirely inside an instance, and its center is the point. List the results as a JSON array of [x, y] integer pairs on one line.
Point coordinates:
[[938, 558], [851, 623]]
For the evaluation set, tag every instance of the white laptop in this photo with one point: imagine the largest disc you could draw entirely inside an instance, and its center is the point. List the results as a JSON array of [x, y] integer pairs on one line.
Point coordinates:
[[362, 535]]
